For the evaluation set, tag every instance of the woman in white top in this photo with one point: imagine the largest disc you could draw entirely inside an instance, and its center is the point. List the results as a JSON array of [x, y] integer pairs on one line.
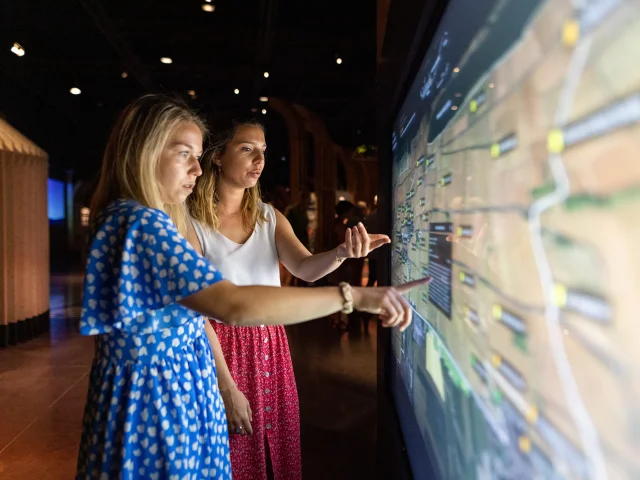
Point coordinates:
[[153, 408], [246, 239]]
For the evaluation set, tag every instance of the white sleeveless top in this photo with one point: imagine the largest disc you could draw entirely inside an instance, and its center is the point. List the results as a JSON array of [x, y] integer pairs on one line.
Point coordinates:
[[254, 262]]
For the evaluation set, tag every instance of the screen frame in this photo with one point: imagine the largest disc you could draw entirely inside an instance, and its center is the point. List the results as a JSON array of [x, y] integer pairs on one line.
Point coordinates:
[[394, 453]]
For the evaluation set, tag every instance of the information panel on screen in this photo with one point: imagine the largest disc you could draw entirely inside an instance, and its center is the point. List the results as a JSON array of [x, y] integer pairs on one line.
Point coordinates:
[[516, 186]]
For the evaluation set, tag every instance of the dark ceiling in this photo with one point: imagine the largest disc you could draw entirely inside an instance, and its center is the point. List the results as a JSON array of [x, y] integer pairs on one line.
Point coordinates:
[[88, 44]]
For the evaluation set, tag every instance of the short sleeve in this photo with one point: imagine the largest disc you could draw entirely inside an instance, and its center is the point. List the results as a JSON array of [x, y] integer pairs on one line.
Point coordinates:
[[138, 263]]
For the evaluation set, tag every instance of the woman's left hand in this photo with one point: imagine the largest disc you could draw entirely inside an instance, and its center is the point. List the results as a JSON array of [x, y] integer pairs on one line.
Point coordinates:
[[358, 243]]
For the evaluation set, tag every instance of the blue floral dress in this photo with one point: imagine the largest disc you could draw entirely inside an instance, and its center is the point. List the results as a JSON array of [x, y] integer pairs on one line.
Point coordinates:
[[153, 408]]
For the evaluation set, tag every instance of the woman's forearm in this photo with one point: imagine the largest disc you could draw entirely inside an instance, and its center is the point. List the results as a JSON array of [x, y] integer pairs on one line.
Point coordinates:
[[316, 266], [225, 380], [256, 305]]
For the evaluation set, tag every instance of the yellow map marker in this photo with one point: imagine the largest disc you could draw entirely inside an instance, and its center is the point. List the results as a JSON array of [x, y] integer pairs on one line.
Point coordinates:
[[496, 360], [560, 295], [461, 276], [525, 444], [459, 231], [570, 33], [497, 312], [495, 150], [555, 141], [473, 106], [532, 414]]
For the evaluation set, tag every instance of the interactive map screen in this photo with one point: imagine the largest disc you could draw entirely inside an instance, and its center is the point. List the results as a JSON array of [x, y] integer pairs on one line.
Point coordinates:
[[516, 186]]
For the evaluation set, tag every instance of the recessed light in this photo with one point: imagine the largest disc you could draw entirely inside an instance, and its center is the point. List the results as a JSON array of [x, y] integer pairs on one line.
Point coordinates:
[[456, 70], [208, 7], [166, 60], [124, 74], [192, 93], [264, 99], [75, 91], [264, 111], [236, 91], [17, 49], [339, 61], [266, 74]]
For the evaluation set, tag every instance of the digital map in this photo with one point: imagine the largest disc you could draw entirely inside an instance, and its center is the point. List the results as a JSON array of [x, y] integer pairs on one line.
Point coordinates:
[[518, 190]]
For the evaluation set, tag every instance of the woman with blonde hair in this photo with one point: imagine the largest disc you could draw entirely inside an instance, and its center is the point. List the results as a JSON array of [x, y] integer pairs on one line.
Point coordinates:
[[154, 408], [247, 239]]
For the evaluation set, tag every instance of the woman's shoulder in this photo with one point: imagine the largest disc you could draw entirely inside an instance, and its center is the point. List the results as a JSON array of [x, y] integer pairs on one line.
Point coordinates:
[[127, 213], [268, 211]]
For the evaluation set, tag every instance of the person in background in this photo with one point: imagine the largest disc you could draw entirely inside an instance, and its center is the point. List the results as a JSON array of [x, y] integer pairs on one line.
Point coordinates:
[[246, 239], [153, 407], [299, 219]]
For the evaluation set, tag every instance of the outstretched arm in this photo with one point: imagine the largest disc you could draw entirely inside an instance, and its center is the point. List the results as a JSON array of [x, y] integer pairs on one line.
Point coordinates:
[[308, 267], [255, 305]]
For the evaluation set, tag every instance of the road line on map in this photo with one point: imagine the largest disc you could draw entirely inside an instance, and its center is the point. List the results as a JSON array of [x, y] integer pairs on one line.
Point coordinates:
[[577, 409]]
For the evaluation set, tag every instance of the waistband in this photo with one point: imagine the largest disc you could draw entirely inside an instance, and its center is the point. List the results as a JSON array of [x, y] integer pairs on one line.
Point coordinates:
[[150, 347]]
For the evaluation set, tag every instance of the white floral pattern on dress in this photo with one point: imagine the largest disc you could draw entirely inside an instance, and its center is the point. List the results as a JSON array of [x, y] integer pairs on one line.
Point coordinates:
[[153, 408]]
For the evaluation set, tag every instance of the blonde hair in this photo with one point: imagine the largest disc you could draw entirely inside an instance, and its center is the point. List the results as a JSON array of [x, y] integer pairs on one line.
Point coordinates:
[[203, 202], [130, 161]]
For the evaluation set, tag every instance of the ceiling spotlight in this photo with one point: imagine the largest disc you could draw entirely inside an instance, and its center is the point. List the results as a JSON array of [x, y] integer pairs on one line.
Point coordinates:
[[264, 99], [266, 74], [124, 74], [454, 108], [491, 85], [236, 91], [456, 70], [264, 111], [208, 1], [17, 49], [339, 61], [166, 60], [192, 93], [75, 91], [208, 7]]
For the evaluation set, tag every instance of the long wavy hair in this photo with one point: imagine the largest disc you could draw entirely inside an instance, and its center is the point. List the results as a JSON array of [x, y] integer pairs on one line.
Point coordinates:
[[131, 158], [203, 201]]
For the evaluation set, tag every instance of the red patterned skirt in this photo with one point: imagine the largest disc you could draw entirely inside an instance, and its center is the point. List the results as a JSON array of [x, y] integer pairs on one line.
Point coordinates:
[[260, 363]]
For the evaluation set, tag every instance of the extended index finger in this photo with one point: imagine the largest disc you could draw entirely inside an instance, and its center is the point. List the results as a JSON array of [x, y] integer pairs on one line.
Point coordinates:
[[405, 287]]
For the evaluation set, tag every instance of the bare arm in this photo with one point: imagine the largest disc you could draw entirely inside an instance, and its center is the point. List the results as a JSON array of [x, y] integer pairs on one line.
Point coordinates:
[[225, 380], [239, 413], [254, 305], [301, 263]]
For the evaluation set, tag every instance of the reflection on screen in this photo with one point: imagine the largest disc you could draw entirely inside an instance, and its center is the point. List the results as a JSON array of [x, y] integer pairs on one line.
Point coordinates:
[[516, 184]]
